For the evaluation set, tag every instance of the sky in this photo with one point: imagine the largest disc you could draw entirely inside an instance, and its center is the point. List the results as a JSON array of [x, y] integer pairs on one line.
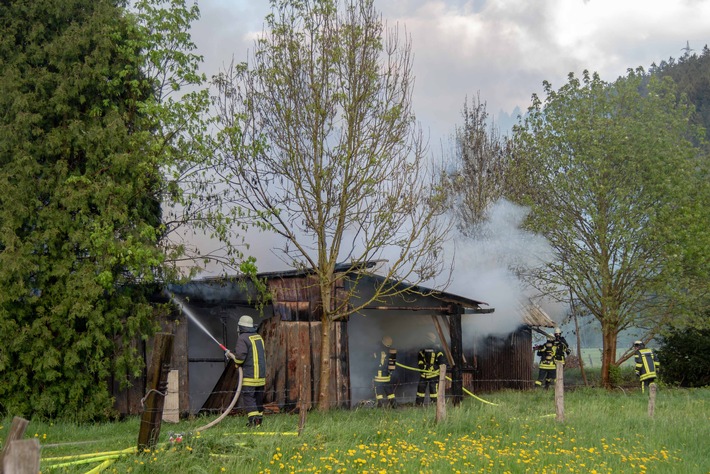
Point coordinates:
[[500, 51]]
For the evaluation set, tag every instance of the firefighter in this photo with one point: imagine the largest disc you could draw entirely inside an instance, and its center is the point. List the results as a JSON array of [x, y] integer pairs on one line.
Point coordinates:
[[386, 359], [250, 355], [548, 370], [562, 349], [646, 365], [429, 360]]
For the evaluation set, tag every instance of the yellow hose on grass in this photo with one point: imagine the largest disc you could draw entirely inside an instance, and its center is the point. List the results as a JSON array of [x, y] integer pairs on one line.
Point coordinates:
[[449, 379]]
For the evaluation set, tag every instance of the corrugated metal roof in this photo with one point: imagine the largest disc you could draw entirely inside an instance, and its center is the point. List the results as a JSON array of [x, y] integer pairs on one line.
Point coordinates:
[[533, 315]]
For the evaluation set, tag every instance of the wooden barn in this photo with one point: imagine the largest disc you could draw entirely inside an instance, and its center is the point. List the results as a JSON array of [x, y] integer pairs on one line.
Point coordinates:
[[497, 362], [290, 324]]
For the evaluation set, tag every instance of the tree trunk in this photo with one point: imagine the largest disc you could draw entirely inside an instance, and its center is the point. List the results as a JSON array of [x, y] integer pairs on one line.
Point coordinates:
[[608, 354], [323, 392], [579, 350], [324, 384]]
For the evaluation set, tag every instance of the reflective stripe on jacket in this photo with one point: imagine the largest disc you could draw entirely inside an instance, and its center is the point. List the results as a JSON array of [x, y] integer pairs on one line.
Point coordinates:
[[646, 364], [429, 361], [547, 355], [251, 356], [385, 366]]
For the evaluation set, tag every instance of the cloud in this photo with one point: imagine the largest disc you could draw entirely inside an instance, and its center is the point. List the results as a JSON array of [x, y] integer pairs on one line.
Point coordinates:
[[503, 48]]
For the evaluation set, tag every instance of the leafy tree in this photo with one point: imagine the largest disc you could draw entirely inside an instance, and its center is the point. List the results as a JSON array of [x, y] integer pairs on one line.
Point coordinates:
[[477, 177], [179, 108], [320, 147], [691, 73], [609, 172], [89, 127]]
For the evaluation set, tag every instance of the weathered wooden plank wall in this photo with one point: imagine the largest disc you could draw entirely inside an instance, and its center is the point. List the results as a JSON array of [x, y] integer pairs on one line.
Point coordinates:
[[293, 358], [502, 363]]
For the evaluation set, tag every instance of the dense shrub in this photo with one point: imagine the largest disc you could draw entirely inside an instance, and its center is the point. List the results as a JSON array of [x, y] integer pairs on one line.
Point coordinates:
[[685, 358]]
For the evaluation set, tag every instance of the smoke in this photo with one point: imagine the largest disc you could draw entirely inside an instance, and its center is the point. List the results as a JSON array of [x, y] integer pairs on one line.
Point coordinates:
[[485, 269]]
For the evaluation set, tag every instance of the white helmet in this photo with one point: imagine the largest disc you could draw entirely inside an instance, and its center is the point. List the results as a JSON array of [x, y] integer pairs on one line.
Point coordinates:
[[387, 341], [246, 322], [558, 331]]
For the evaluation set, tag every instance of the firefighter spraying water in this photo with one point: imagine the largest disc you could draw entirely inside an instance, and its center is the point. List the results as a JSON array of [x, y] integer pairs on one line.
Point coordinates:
[[187, 312]]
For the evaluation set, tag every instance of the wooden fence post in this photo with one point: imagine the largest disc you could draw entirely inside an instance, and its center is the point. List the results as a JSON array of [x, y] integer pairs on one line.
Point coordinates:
[[441, 395], [17, 431], [560, 390], [651, 399], [157, 385], [21, 457]]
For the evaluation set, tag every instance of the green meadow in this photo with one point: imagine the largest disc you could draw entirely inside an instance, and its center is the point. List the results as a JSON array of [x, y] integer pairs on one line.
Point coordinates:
[[515, 432]]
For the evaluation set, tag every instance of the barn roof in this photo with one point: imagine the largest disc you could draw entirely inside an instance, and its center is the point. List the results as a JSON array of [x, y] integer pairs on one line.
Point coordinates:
[[534, 315], [471, 305], [223, 289]]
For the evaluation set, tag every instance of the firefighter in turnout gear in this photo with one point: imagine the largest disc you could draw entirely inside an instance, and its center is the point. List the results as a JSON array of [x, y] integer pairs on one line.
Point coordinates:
[[250, 355], [646, 365], [562, 349], [429, 360], [386, 359], [548, 370]]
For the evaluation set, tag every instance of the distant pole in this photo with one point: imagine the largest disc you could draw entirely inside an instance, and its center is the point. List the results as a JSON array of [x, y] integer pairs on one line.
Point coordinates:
[[560, 391], [651, 399], [157, 386], [441, 395]]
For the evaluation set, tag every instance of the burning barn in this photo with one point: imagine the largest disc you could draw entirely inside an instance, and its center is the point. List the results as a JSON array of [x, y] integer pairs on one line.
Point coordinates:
[[290, 324], [503, 361]]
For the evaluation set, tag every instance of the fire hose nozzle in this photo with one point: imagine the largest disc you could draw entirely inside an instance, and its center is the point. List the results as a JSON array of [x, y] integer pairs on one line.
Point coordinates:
[[228, 354]]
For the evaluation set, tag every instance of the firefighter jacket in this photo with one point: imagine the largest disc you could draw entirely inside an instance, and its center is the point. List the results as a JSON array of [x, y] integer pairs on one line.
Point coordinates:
[[547, 354], [386, 363], [562, 349], [646, 364], [429, 361], [250, 355]]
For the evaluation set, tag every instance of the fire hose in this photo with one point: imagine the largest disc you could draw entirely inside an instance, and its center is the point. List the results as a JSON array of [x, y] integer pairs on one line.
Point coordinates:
[[231, 405], [449, 379], [110, 457]]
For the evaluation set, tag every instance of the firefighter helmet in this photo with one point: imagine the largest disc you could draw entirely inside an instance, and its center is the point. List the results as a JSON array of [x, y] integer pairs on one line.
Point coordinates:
[[638, 344], [558, 331], [387, 341], [246, 322]]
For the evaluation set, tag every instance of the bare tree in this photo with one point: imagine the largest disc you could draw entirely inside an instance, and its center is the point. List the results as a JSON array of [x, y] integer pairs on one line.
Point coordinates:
[[320, 145], [477, 175]]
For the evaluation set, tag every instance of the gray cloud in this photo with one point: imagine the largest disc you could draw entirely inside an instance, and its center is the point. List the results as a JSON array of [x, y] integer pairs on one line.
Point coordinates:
[[502, 48]]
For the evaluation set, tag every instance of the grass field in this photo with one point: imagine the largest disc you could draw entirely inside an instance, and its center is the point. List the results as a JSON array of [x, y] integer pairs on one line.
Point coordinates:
[[603, 432]]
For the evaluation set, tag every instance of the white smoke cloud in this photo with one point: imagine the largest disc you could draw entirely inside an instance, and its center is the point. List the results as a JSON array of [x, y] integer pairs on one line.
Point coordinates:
[[485, 268]]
